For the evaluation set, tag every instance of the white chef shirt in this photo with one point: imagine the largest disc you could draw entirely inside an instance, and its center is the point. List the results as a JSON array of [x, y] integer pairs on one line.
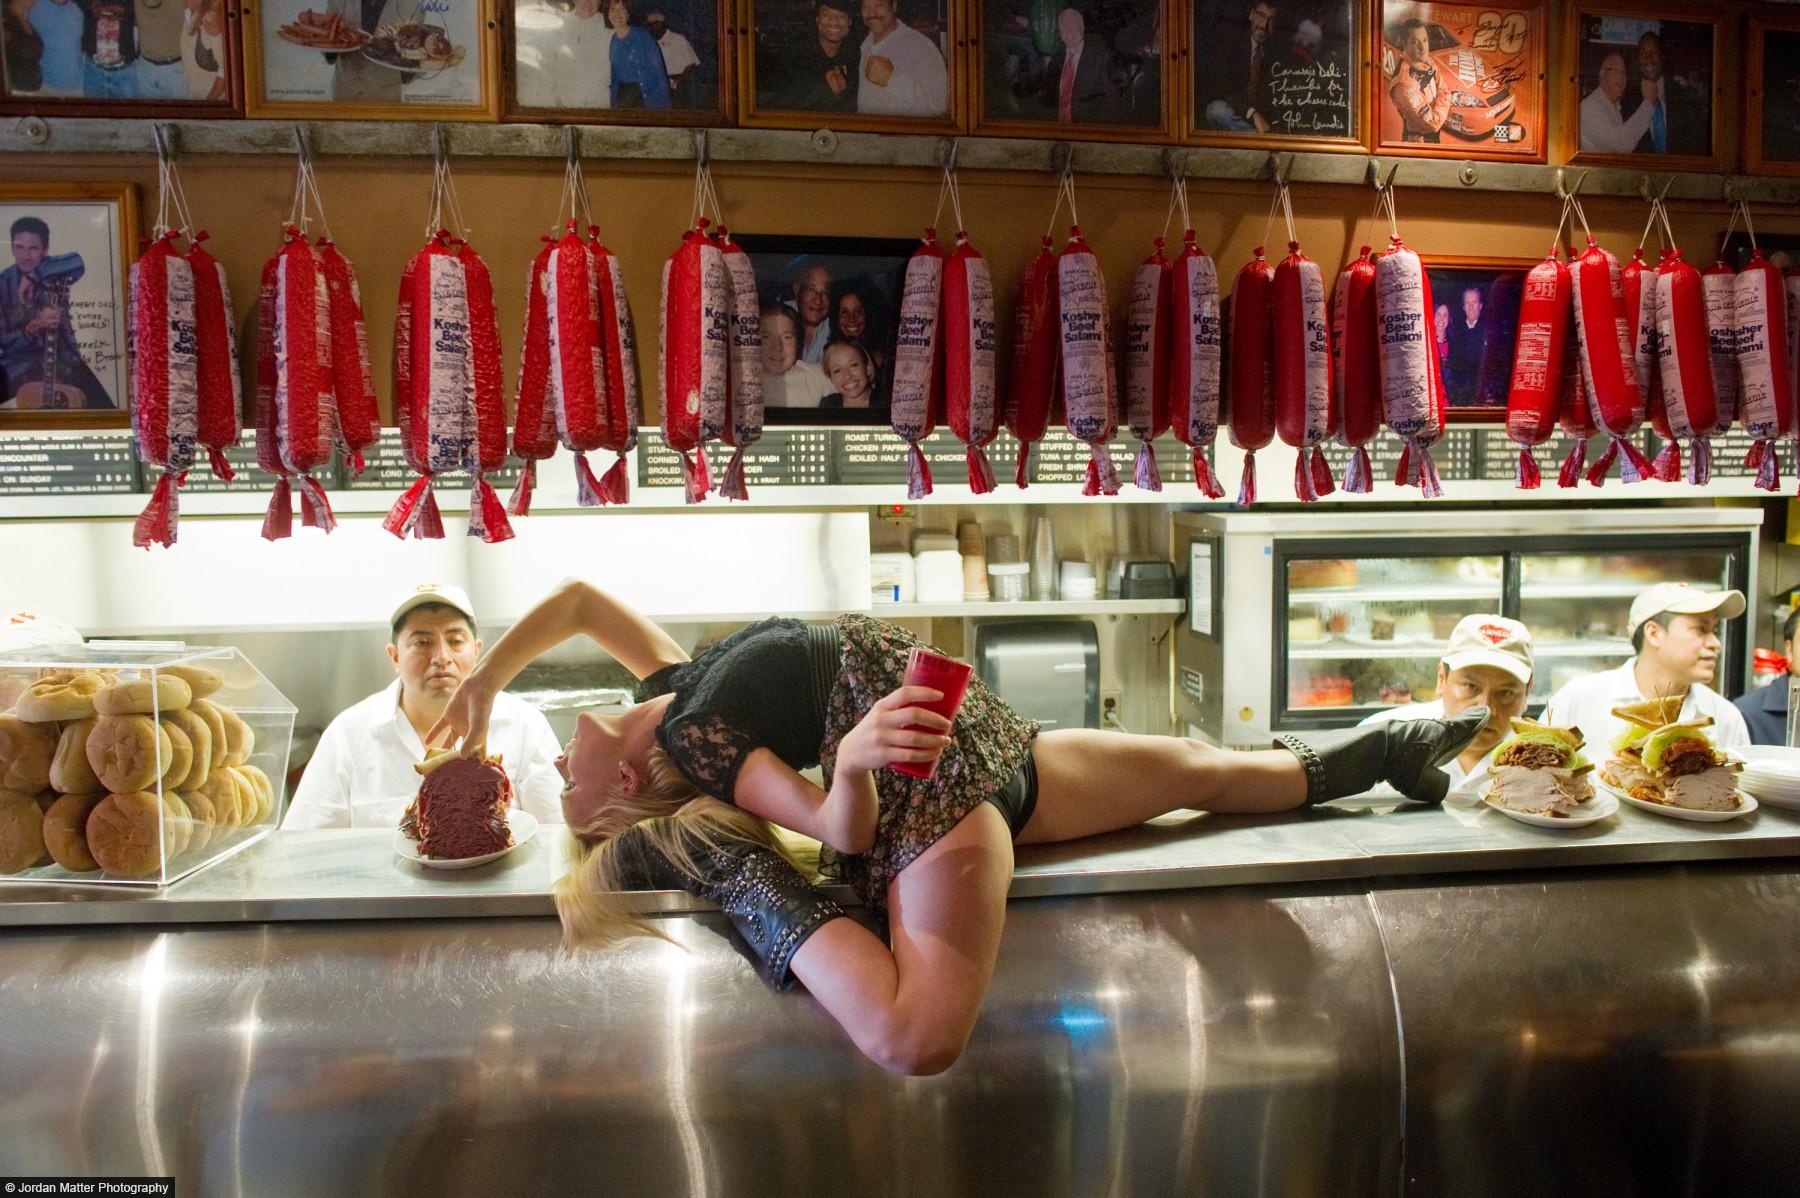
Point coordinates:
[[920, 84], [568, 65], [1604, 128], [1587, 704], [362, 776], [678, 53], [1463, 783]]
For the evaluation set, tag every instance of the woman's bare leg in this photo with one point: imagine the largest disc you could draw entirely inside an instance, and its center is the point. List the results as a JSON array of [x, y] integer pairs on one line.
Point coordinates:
[[911, 1009], [1091, 781]]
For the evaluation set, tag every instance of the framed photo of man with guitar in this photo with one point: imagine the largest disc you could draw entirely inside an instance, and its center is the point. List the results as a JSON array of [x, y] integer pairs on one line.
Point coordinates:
[[62, 303]]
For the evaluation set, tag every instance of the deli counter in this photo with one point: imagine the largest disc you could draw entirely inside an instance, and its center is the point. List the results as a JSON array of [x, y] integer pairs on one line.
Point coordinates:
[[1206, 1004]]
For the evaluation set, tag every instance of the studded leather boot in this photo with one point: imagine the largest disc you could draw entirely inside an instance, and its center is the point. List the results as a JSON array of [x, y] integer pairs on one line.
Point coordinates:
[[767, 900], [1405, 754]]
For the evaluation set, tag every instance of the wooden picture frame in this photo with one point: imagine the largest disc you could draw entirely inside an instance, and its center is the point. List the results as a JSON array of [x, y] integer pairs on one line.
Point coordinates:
[[1317, 49], [846, 279], [775, 67], [1618, 21], [273, 61], [1123, 82], [1760, 96], [93, 311], [1476, 364], [710, 97], [139, 88], [1488, 62]]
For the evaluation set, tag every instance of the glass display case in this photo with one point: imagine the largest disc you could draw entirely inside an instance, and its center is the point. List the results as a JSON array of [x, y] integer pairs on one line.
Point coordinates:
[[135, 763], [1326, 620]]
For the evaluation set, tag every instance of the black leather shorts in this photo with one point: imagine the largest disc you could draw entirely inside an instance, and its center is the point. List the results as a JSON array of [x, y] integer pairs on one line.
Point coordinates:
[[1017, 799]]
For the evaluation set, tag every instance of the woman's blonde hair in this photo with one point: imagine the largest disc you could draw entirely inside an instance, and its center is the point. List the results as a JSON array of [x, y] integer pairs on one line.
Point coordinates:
[[677, 819]]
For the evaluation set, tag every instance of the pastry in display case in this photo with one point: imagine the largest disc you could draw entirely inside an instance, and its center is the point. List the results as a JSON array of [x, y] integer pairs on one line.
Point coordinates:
[[135, 763]]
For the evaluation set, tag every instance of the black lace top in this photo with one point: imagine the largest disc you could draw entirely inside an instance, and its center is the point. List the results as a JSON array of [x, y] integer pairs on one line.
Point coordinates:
[[754, 689]]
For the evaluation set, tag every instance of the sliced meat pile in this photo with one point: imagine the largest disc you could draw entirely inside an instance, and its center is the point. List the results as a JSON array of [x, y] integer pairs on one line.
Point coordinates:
[[461, 810]]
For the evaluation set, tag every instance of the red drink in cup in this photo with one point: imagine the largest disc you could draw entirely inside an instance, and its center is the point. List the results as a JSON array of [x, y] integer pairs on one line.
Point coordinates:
[[944, 674]]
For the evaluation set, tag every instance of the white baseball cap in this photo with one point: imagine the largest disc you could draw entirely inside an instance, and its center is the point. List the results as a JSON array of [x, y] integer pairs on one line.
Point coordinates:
[[433, 592], [1484, 640], [1685, 600]]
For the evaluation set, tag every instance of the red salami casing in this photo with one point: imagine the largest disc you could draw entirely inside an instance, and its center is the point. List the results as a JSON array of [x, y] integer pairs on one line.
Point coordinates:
[[1608, 361], [1684, 359], [1574, 415], [1250, 403], [1539, 355], [487, 514], [353, 382], [1765, 398], [1412, 389], [971, 395], [1148, 358], [1089, 399], [1033, 382], [1195, 352], [1356, 366], [618, 355], [215, 342], [165, 386], [1306, 410], [1719, 283], [534, 414], [918, 394], [1638, 278], [695, 350], [434, 383], [743, 424], [578, 384]]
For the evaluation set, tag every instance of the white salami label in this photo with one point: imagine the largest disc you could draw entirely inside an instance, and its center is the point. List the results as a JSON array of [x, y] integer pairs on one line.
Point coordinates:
[[715, 337], [331, 435], [184, 373], [1668, 355], [626, 347], [1340, 318], [1646, 349], [1317, 352], [1761, 417], [449, 377], [1722, 333], [984, 348], [746, 350], [1405, 352], [915, 350], [1141, 347], [1086, 389], [1203, 341]]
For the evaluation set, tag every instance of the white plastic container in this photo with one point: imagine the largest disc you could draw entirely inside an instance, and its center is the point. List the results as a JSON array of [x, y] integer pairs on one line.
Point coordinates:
[[891, 577], [1009, 582], [938, 575]]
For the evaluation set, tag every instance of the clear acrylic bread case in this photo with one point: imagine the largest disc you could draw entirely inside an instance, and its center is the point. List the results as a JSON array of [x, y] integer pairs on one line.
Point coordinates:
[[135, 763]]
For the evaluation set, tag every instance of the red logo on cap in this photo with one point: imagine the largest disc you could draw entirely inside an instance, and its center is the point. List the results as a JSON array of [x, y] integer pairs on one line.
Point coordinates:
[[1494, 634]]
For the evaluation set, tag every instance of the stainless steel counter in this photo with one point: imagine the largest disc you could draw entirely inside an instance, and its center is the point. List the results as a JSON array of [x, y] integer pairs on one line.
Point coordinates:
[[337, 875]]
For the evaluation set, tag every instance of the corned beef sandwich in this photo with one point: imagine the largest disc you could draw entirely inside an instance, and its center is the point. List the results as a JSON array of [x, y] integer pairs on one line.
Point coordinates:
[[1688, 771], [461, 808], [1624, 770], [1540, 770]]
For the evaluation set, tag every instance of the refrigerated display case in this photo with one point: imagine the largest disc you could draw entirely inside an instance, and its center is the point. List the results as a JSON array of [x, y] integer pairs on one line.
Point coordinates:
[[1322, 621]]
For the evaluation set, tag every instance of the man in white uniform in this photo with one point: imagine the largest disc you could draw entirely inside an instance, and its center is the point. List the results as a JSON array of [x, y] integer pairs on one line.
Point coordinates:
[[1486, 664], [903, 71], [1674, 630], [362, 776]]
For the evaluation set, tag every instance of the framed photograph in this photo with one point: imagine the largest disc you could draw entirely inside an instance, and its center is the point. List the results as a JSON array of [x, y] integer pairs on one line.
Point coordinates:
[[852, 64], [120, 57], [829, 325], [1281, 74], [62, 304], [1643, 86], [1080, 69], [1475, 323], [1462, 81], [372, 60], [1772, 96], [629, 62]]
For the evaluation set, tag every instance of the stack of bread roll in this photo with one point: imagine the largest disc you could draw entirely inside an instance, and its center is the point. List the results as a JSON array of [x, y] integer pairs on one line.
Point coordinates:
[[101, 771]]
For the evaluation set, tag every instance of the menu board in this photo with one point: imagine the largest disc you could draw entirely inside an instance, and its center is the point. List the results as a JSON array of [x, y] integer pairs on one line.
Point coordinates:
[[385, 469], [100, 463], [780, 457], [242, 460], [1728, 454], [1454, 453]]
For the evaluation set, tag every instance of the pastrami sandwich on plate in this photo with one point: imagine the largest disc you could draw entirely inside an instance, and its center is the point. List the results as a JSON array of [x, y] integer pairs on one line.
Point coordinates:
[[1685, 770], [1624, 771], [1540, 770]]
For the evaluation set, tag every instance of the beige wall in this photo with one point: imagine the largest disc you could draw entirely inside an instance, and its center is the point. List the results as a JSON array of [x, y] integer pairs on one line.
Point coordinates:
[[378, 209]]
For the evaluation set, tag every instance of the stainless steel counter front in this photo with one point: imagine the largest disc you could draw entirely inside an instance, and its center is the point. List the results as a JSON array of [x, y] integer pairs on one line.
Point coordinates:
[[335, 875]]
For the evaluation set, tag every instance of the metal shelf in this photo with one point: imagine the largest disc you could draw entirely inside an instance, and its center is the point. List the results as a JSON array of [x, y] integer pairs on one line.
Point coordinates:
[[1423, 593], [1435, 649], [1032, 607], [100, 135]]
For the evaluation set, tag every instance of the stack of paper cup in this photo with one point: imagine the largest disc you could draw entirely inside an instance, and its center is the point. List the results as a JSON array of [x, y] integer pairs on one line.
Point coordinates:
[[1075, 580], [973, 548]]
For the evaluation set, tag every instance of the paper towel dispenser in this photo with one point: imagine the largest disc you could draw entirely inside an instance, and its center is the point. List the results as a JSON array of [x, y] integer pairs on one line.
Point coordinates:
[[1046, 670]]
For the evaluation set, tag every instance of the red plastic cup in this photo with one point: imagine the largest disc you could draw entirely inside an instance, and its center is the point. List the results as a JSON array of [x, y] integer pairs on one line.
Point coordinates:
[[943, 674]]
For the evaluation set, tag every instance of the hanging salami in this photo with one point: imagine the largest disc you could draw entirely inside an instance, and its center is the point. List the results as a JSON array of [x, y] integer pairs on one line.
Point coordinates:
[[303, 404], [1250, 406], [741, 424], [694, 356], [1090, 402], [1149, 357], [1356, 366], [1765, 397], [577, 376], [918, 395], [353, 383], [971, 399], [1719, 285], [215, 342], [1195, 352], [1034, 382], [618, 356], [1541, 348], [1306, 411], [1412, 388], [1608, 361], [1684, 348], [534, 412], [1574, 414], [165, 386]]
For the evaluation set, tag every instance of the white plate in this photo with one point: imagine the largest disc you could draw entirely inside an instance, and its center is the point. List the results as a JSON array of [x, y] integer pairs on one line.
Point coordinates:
[[1600, 807], [524, 827], [1745, 806]]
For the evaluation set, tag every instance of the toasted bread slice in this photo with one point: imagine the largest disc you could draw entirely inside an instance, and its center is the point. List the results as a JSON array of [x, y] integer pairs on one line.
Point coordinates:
[[1570, 736], [1651, 713]]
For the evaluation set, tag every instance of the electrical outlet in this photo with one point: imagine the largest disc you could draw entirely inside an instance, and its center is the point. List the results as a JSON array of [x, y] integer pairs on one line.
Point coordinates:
[[1109, 703]]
